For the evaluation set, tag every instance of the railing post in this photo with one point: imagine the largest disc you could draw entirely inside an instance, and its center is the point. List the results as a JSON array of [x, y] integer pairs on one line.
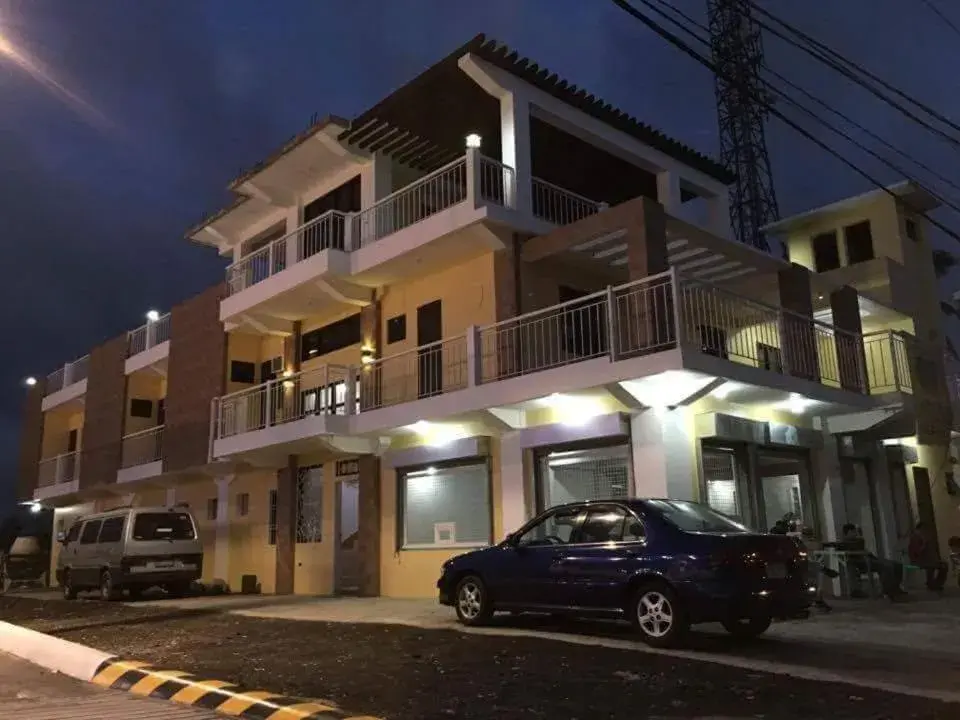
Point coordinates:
[[67, 375], [785, 356], [473, 356], [676, 298], [58, 470], [268, 405], [612, 324], [893, 359], [151, 338], [216, 425], [348, 220], [473, 177], [350, 398]]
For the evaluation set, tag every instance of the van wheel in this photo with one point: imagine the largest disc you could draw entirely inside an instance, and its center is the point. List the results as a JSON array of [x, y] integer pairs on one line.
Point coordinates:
[[659, 615], [107, 590], [69, 591]]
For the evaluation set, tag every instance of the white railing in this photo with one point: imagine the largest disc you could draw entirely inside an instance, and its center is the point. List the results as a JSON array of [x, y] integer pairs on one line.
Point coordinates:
[[322, 391], [143, 447], [63, 468], [887, 354], [257, 266], [69, 374], [496, 182], [422, 372], [149, 335], [558, 206]]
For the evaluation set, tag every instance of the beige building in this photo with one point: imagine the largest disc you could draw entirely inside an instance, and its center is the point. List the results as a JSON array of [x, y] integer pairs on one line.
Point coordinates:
[[490, 293]]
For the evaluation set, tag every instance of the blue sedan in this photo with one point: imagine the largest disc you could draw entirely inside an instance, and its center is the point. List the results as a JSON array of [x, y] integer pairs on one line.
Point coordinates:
[[663, 565]]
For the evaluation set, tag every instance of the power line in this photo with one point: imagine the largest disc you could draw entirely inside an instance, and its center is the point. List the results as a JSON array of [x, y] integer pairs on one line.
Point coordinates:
[[940, 14], [686, 49]]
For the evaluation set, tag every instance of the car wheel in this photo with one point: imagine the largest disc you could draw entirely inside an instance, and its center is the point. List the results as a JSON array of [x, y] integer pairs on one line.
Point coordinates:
[[69, 591], [472, 601], [107, 591], [659, 615], [747, 628]]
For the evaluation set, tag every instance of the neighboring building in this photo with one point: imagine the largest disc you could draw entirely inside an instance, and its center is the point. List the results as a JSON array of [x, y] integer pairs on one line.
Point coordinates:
[[490, 293]]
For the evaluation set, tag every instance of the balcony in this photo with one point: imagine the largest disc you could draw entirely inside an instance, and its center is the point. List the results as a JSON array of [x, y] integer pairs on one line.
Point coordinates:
[[626, 336], [340, 257], [882, 279], [66, 384], [887, 356], [141, 455], [58, 475], [149, 344]]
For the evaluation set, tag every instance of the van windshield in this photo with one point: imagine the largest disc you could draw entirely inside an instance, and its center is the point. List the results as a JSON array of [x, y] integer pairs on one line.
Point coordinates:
[[163, 526]]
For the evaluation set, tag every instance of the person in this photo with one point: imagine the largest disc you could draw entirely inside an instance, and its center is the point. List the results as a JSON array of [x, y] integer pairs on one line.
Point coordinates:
[[862, 562], [922, 551]]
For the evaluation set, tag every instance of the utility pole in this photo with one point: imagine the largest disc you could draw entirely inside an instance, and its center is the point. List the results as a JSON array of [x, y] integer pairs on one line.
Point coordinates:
[[737, 51]]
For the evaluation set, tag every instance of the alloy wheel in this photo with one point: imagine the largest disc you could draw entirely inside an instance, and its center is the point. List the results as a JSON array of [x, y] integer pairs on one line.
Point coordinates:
[[470, 600], [655, 614]]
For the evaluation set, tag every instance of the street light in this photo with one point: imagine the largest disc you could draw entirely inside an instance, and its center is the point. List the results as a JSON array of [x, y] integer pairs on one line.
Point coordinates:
[[30, 381], [153, 316]]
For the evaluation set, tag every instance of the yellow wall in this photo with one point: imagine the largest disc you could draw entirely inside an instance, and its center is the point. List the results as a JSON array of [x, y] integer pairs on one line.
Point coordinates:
[[196, 495], [144, 385], [250, 550], [57, 425]]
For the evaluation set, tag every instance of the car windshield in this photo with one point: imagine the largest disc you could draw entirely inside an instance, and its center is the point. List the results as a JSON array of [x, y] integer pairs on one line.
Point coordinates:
[[693, 517], [163, 526]]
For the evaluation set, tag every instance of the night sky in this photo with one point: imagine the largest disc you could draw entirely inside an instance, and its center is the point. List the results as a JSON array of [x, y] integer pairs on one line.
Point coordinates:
[[166, 101]]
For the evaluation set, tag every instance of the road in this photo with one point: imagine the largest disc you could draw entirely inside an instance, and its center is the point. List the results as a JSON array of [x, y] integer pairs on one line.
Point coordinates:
[[28, 692]]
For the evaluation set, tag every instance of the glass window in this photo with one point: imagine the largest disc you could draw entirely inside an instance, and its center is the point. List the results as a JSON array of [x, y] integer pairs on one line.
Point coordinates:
[[859, 242], [720, 478], [90, 531], [826, 254], [447, 506], [310, 504], [112, 530], [693, 517], [74, 533], [243, 504], [163, 526], [557, 528], [609, 524], [592, 474]]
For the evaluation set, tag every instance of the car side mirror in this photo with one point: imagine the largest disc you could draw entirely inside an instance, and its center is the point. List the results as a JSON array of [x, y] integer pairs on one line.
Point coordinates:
[[62, 538]]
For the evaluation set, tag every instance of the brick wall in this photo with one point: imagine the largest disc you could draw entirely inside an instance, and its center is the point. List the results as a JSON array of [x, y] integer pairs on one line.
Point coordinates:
[[368, 542], [196, 370], [104, 410], [31, 439]]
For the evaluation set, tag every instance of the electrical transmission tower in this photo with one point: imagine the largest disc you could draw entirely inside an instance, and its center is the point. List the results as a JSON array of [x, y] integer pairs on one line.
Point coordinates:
[[737, 51]]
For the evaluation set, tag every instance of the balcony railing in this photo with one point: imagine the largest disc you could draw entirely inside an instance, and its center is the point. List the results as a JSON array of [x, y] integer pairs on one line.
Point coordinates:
[[150, 335], [58, 470], [423, 372], [69, 374], [887, 355], [143, 447], [559, 206], [322, 391]]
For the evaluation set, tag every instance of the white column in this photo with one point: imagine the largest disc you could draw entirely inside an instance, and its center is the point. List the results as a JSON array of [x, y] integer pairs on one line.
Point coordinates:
[[879, 468], [515, 147], [221, 558], [294, 220], [829, 484], [513, 505], [171, 496], [376, 180], [668, 192], [663, 455]]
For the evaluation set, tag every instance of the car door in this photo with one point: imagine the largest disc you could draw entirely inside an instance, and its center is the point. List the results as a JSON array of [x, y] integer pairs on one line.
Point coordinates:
[[110, 545], [605, 552], [67, 557], [85, 572], [528, 571]]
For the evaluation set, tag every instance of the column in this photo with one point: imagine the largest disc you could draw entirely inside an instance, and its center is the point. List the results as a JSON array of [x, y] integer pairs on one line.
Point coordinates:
[[663, 455], [513, 504], [221, 556], [171, 498], [368, 540], [828, 482], [798, 337], [292, 251], [851, 362], [515, 150], [286, 526], [371, 335], [644, 314], [668, 192], [888, 543], [376, 180]]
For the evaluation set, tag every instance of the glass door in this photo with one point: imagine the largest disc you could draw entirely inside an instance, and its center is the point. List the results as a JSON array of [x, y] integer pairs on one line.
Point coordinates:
[[785, 494]]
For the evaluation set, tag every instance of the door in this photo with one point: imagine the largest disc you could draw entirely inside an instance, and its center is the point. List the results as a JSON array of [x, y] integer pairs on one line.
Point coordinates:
[[429, 359], [925, 512], [72, 441], [529, 574], [347, 560]]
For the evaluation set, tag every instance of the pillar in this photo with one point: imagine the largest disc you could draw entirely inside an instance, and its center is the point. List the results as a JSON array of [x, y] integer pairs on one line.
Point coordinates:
[[663, 455], [829, 495], [889, 544], [221, 556], [371, 338], [515, 150], [368, 540], [513, 503], [376, 180], [508, 299], [644, 314], [286, 526], [798, 337], [851, 361], [668, 192], [171, 498], [293, 252]]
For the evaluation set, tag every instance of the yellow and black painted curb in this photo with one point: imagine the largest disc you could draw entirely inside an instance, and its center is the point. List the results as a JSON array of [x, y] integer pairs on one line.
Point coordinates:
[[142, 679]]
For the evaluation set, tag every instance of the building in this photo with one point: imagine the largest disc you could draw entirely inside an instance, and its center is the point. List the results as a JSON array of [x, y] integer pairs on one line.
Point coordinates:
[[490, 293]]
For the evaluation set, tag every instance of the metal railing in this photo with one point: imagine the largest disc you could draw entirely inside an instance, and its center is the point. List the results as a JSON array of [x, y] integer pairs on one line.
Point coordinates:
[[422, 372], [497, 183], [142, 448], [322, 391], [558, 206], [69, 374], [327, 232], [887, 354], [60, 469], [148, 335], [257, 266]]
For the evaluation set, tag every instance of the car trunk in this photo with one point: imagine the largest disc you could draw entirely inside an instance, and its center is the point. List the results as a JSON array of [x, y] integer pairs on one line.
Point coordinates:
[[759, 560]]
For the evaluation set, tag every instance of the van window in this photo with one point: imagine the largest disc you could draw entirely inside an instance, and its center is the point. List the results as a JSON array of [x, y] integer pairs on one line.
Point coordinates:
[[112, 530], [91, 529], [163, 526], [74, 533]]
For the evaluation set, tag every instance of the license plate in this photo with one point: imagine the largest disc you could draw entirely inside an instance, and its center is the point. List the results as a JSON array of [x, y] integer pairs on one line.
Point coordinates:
[[776, 571], [162, 565]]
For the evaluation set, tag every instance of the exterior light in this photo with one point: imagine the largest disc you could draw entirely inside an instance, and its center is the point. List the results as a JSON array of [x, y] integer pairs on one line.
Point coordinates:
[[153, 316], [30, 381], [366, 355], [474, 141]]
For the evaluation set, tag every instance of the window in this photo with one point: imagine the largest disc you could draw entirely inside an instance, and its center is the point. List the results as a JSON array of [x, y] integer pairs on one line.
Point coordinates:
[[74, 533], [604, 524], [327, 399], [268, 369], [213, 507], [859, 242], [692, 517], [140, 408], [448, 506], [599, 473], [557, 528], [112, 530], [272, 519], [910, 227], [90, 531], [331, 338], [243, 372], [826, 254], [396, 329], [243, 504], [163, 526], [310, 504]]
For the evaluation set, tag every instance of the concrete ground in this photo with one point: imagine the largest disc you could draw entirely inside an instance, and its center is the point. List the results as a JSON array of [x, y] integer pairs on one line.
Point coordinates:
[[28, 692]]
